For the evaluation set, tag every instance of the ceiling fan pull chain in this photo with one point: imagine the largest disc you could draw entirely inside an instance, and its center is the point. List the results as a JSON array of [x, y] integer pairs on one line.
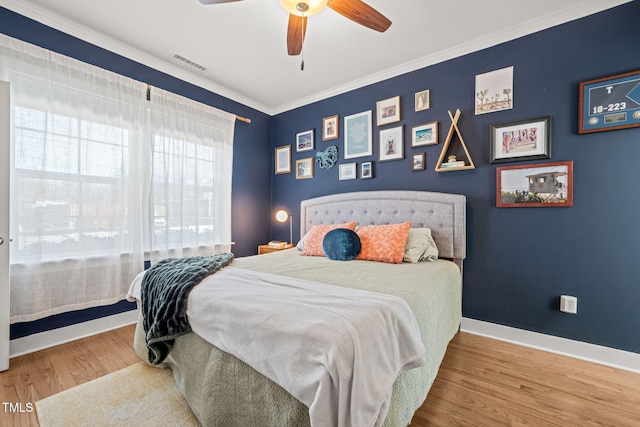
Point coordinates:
[[302, 45]]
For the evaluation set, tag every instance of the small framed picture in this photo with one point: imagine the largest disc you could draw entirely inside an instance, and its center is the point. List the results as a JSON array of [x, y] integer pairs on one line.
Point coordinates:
[[330, 128], [392, 143], [366, 170], [347, 171], [422, 100], [304, 140], [418, 161], [388, 111], [426, 134], [522, 140], [540, 185], [304, 168], [283, 159]]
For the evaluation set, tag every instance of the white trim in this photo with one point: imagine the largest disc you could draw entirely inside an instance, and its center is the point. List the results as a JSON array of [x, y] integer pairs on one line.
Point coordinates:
[[5, 166], [43, 340], [571, 13], [620, 359]]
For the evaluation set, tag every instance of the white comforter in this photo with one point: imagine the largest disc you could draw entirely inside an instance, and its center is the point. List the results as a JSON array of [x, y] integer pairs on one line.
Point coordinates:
[[335, 349]]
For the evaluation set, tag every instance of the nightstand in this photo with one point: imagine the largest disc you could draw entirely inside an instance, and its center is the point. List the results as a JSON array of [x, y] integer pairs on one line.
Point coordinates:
[[265, 249]]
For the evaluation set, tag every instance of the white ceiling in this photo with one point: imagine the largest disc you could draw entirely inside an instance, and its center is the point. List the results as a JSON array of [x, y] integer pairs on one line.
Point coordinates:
[[243, 44]]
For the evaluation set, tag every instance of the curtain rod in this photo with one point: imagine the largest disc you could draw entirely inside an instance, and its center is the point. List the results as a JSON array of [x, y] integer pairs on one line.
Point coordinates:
[[239, 118]]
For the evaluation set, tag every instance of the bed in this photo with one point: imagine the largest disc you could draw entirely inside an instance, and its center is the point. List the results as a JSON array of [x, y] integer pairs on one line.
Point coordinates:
[[224, 391]]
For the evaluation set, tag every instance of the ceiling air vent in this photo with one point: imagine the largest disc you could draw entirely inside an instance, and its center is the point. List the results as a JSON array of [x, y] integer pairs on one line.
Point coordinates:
[[189, 62]]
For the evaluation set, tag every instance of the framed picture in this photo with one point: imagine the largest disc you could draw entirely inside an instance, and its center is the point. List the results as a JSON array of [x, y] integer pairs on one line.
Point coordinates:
[[283, 159], [422, 100], [609, 103], [366, 170], [494, 91], [330, 128], [347, 171], [426, 134], [523, 140], [418, 161], [539, 185], [392, 144], [357, 135], [304, 168], [388, 111], [304, 140]]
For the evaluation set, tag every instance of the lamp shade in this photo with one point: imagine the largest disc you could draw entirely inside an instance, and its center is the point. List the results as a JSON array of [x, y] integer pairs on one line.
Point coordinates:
[[282, 215], [313, 6]]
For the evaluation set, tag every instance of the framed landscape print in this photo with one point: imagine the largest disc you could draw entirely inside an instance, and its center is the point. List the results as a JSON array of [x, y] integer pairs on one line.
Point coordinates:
[[392, 144], [523, 140], [418, 161], [330, 128], [304, 140], [426, 134], [494, 91], [347, 171], [538, 185], [283, 159], [357, 135], [388, 111], [366, 170]]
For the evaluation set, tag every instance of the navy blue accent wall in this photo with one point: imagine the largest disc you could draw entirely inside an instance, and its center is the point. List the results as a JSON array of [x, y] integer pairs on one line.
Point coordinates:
[[519, 261], [251, 168]]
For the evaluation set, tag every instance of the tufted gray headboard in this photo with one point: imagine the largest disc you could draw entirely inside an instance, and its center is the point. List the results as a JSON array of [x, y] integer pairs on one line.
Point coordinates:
[[444, 214]]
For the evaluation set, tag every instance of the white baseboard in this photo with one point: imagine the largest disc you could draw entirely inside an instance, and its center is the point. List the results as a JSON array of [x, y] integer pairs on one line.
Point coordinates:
[[620, 359], [42, 340]]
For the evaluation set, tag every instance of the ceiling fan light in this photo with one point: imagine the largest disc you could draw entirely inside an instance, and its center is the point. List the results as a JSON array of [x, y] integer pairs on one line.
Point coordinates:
[[314, 6]]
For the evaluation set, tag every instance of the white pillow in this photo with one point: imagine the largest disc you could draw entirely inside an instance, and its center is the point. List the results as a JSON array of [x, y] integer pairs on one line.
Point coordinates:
[[420, 246]]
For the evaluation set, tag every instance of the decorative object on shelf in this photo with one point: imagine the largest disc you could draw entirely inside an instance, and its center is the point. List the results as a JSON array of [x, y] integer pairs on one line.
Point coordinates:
[[304, 168], [282, 216], [609, 103], [358, 141], [392, 143], [522, 140], [366, 170], [347, 171], [453, 164], [422, 100], [540, 185], [330, 128], [304, 140], [418, 161], [494, 91], [328, 158], [283, 159], [388, 111], [426, 134]]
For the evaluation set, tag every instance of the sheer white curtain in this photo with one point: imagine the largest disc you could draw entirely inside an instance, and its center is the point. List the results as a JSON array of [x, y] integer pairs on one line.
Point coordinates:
[[84, 208], [191, 168]]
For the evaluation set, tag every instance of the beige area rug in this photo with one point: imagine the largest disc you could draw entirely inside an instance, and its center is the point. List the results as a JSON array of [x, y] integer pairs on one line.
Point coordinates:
[[139, 395]]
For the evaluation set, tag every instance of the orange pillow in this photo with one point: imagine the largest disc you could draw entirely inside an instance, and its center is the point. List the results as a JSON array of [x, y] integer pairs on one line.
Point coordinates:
[[313, 239], [383, 243]]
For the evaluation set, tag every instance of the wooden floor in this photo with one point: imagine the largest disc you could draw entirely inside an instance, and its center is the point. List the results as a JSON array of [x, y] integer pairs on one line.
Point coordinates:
[[482, 382]]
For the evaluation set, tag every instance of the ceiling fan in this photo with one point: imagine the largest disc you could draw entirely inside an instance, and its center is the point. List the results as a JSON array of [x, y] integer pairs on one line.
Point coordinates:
[[299, 10]]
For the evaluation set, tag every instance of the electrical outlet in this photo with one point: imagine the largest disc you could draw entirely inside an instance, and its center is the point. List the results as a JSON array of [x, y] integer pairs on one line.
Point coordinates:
[[568, 304]]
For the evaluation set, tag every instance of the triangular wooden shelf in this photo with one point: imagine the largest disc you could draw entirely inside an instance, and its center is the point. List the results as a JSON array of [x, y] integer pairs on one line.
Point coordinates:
[[454, 130]]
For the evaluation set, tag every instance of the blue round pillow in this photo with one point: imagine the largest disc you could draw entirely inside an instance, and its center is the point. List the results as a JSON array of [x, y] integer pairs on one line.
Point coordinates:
[[341, 244]]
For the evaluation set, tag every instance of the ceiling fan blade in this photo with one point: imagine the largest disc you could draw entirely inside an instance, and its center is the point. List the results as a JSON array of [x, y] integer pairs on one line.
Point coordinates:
[[360, 12], [216, 1], [295, 33]]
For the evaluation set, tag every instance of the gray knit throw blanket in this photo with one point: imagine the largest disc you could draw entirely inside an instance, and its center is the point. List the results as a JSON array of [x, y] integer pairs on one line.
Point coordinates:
[[165, 289]]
